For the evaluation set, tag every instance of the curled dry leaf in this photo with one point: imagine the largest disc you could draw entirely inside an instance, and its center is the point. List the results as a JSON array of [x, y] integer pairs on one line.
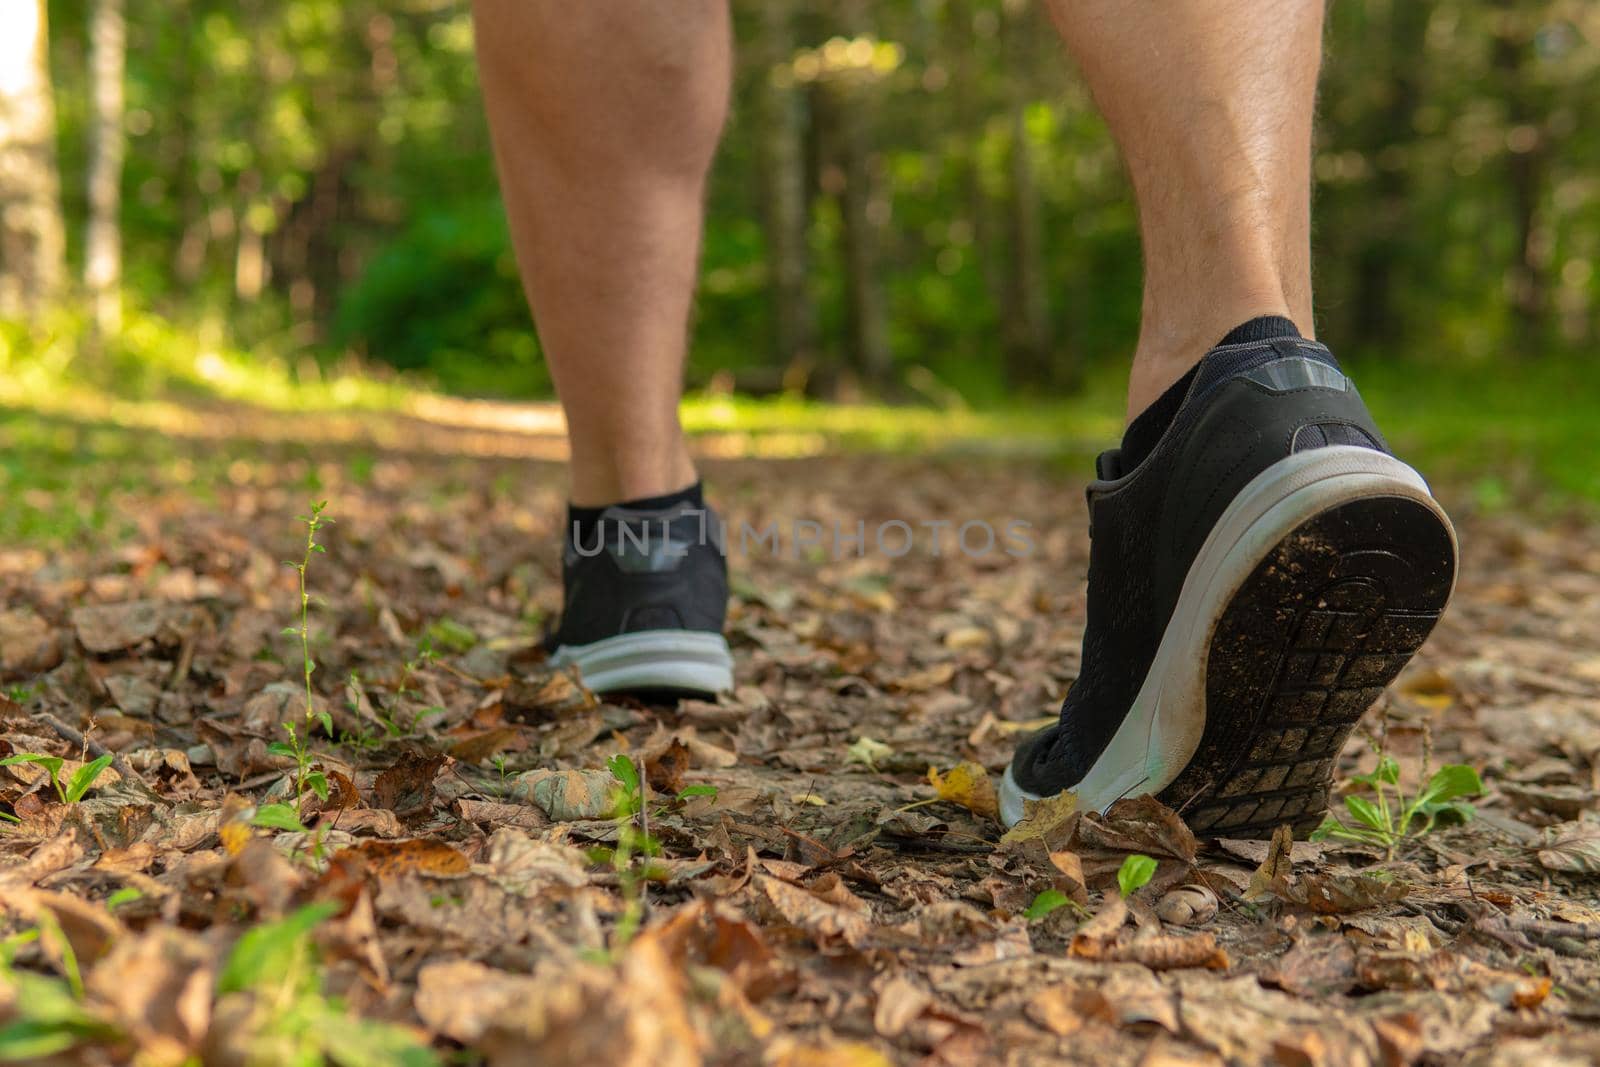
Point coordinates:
[[820, 918], [968, 785], [567, 796], [386, 859], [1188, 905], [406, 788], [1166, 952], [1275, 868], [665, 769], [1095, 936]]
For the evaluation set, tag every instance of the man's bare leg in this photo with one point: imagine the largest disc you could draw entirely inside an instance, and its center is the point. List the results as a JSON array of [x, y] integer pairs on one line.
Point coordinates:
[[1211, 103], [1261, 566], [605, 119]]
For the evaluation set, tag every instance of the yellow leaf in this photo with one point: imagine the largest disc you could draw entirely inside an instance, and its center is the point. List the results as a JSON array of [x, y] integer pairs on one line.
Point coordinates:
[[1041, 818], [235, 835], [967, 784]]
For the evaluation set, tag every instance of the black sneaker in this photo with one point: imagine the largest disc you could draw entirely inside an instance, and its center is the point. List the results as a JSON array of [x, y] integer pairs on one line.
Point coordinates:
[[644, 603], [1255, 581]]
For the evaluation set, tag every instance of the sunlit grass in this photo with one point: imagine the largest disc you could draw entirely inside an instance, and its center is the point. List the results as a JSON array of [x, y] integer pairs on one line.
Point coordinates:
[[167, 413]]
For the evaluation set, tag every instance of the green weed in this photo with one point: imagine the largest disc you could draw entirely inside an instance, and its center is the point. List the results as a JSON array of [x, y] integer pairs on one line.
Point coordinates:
[[1136, 872], [633, 840], [278, 966], [1386, 820], [77, 786], [297, 749], [48, 1017]]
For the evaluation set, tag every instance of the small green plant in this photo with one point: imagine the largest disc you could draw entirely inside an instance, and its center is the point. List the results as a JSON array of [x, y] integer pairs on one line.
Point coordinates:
[[277, 965], [1387, 820], [313, 523], [297, 748], [633, 839], [449, 635], [1135, 872], [1046, 902], [77, 786], [47, 1017], [692, 791], [425, 655]]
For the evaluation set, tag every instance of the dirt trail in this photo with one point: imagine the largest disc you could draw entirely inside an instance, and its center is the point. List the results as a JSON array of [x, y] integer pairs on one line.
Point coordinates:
[[819, 905]]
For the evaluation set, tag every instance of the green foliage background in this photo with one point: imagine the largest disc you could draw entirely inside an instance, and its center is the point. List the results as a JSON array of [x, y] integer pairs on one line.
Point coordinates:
[[1458, 208]]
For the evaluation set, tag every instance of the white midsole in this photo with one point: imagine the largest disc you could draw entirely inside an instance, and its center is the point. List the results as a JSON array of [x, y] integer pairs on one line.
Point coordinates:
[[1164, 726], [652, 659]]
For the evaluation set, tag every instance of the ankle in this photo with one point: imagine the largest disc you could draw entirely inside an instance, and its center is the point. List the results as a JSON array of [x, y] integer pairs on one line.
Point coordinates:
[[1167, 350], [602, 477]]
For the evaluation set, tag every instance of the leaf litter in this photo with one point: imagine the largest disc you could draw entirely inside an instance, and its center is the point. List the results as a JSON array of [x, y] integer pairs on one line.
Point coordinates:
[[813, 862]]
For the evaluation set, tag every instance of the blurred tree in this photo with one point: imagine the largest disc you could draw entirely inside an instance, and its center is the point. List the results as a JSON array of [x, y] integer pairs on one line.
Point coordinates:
[[913, 195], [32, 241], [102, 257]]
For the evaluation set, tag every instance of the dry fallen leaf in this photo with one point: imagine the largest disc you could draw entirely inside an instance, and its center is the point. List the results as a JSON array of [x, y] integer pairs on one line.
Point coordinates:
[[968, 785], [822, 919], [418, 855], [1572, 846], [1276, 868], [1048, 820], [1188, 905], [566, 796]]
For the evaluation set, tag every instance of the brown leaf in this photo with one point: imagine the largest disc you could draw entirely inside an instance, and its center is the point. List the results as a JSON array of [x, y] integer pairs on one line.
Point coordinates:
[[159, 988], [479, 747], [1336, 893], [105, 628], [89, 929], [386, 859], [28, 645], [1165, 952], [1317, 966], [407, 787], [711, 935], [1571, 846], [821, 919], [547, 695], [268, 880], [665, 769], [493, 813], [1096, 935], [1070, 879], [900, 1001], [1139, 824], [1276, 868]]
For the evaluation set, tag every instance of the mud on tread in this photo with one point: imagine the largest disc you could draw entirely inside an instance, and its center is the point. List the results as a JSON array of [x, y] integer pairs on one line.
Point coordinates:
[[1308, 643]]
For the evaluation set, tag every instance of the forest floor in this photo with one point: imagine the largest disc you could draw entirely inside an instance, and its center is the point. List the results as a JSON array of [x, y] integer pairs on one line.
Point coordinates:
[[466, 885]]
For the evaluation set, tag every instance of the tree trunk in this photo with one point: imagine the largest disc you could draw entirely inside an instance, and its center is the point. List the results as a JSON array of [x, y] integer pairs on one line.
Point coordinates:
[[787, 210], [1376, 319], [1526, 157], [32, 234], [102, 263], [1027, 310], [859, 203], [970, 122]]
